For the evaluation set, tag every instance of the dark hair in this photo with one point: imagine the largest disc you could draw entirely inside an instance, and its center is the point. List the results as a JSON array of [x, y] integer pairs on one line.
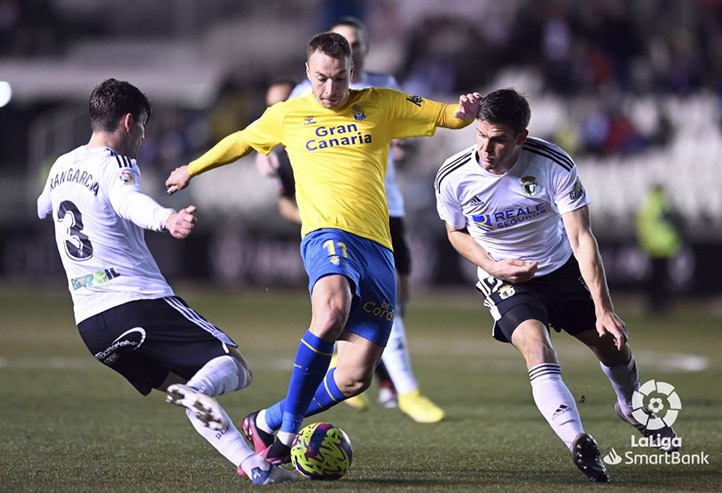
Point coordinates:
[[112, 99], [350, 21], [507, 107], [331, 44]]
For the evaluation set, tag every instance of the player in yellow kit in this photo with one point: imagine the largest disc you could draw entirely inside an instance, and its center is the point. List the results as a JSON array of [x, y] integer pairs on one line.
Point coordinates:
[[337, 140]]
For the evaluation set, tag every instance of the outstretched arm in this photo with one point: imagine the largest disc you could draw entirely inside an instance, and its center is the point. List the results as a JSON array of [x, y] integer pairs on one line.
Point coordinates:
[[227, 151], [461, 115], [585, 248]]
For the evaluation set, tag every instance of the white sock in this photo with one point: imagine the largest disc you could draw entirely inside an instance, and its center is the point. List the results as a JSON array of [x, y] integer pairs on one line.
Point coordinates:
[[221, 375], [261, 422], [397, 360], [625, 380], [286, 437], [227, 441], [555, 402]]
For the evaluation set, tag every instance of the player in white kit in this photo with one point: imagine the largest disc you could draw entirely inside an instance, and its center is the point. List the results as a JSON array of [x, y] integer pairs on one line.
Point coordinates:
[[126, 313], [396, 359], [515, 207]]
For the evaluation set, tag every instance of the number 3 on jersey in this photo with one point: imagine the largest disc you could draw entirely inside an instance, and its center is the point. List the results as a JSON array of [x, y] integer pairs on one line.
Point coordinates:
[[331, 248], [77, 244]]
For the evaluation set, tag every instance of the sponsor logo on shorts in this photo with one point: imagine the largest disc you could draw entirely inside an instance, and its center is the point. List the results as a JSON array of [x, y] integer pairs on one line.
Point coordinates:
[[131, 338], [380, 310]]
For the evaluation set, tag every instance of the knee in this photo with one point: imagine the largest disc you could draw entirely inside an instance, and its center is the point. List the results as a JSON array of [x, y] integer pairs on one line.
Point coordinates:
[[541, 352], [244, 372], [537, 350], [330, 322], [246, 377], [351, 384]]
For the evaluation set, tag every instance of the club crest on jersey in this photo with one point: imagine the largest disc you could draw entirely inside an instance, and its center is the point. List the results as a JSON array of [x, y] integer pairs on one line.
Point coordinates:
[[530, 185], [126, 177], [358, 113], [309, 120], [417, 100]]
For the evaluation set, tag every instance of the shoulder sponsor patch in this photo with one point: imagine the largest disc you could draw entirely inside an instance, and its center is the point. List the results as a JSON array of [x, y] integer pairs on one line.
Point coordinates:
[[417, 100], [577, 190], [126, 177]]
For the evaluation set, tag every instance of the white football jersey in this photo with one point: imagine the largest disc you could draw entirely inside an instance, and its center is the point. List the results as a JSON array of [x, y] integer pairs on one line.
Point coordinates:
[[516, 215], [394, 198], [100, 212]]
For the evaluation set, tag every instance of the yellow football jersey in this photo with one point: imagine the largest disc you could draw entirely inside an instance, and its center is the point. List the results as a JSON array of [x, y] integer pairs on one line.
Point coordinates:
[[338, 156]]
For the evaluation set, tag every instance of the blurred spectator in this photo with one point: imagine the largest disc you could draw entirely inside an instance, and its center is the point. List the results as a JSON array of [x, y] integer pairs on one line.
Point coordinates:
[[622, 135], [445, 55], [30, 27], [659, 236]]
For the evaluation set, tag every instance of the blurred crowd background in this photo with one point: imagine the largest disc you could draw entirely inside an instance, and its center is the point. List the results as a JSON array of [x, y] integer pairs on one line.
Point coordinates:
[[632, 89]]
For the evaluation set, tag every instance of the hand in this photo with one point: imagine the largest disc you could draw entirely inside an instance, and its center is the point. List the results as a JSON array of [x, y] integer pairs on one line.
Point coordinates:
[[180, 224], [178, 180], [610, 323], [468, 106], [513, 270]]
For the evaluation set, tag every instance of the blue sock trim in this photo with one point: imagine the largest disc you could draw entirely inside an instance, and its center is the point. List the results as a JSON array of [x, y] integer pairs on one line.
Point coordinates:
[[316, 344], [327, 395], [309, 368]]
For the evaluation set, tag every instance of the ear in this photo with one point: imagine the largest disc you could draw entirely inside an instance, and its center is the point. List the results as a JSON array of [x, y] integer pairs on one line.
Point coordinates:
[[308, 71], [522, 136], [127, 122]]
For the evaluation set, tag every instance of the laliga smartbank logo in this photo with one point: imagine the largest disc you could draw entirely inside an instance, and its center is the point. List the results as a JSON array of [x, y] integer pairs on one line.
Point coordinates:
[[660, 397], [655, 406]]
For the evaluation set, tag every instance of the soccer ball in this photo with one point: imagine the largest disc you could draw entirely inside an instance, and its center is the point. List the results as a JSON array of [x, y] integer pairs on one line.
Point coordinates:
[[322, 451]]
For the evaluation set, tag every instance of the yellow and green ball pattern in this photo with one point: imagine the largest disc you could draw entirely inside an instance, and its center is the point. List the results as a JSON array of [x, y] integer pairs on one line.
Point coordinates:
[[322, 451]]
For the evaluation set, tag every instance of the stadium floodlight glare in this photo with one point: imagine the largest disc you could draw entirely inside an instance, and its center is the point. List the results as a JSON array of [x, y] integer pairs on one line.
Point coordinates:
[[6, 93]]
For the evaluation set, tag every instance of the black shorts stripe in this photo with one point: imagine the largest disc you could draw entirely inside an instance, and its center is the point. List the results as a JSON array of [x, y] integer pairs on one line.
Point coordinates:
[[542, 149], [446, 169]]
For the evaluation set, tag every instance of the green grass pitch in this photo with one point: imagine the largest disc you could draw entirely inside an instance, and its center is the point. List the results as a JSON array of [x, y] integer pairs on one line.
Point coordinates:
[[69, 424]]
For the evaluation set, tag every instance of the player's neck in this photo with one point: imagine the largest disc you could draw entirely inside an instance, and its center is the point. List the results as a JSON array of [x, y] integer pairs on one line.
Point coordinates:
[[106, 139]]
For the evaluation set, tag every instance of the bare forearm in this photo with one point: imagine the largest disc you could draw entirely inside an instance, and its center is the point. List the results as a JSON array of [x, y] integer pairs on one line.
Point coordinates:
[[510, 270], [592, 270], [469, 249], [289, 210]]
